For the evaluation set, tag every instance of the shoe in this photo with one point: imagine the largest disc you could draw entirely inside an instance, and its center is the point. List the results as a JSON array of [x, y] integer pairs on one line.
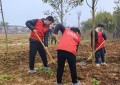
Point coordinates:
[[104, 64], [97, 65], [46, 68], [78, 83], [32, 71]]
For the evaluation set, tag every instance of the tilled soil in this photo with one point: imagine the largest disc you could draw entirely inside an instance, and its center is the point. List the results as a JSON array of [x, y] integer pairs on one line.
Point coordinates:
[[16, 64]]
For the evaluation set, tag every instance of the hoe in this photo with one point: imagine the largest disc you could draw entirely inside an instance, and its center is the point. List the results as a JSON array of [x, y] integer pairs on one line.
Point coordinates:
[[84, 62]]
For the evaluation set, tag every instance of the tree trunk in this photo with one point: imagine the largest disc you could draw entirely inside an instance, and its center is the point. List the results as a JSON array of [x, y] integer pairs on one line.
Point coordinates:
[[93, 24], [61, 17], [6, 39], [79, 15]]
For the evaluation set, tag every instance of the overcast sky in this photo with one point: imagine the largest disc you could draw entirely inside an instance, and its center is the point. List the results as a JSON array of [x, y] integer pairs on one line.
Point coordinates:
[[16, 12]]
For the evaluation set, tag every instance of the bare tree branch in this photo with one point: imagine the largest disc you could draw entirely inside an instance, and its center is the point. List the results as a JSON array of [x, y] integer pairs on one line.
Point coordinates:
[[96, 1], [63, 6], [88, 4]]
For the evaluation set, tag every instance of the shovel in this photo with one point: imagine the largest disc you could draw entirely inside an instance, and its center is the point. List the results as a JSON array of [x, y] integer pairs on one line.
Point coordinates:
[[84, 62], [45, 48]]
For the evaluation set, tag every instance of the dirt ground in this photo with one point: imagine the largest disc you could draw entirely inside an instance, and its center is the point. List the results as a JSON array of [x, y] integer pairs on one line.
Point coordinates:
[[15, 67]]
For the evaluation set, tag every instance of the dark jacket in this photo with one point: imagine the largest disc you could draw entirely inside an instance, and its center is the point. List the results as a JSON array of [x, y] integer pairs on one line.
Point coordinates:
[[31, 23]]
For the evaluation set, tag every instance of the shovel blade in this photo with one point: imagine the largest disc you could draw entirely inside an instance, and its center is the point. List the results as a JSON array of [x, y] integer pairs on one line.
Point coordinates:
[[82, 63]]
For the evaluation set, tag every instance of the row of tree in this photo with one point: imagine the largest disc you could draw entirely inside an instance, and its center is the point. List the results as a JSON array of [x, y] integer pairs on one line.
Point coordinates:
[[111, 21], [105, 18]]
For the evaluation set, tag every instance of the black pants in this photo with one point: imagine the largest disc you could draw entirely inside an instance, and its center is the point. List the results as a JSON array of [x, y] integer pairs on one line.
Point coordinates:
[[34, 47], [62, 56], [53, 41]]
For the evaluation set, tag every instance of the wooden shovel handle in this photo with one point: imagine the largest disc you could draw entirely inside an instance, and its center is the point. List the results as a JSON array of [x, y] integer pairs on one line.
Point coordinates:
[[45, 47]]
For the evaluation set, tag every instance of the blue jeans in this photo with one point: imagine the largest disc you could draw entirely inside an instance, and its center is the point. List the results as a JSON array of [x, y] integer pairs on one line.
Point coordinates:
[[100, 54]]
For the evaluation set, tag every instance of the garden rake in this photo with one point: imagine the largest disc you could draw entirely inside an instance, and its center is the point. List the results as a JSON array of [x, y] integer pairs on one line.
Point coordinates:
[[84, 62], [45, 48]]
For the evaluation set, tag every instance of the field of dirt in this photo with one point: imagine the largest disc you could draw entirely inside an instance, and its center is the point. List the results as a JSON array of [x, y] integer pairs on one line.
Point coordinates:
[[14, 67]]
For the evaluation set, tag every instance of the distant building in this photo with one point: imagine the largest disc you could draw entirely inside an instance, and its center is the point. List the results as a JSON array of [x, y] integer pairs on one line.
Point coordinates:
[[12, 29]]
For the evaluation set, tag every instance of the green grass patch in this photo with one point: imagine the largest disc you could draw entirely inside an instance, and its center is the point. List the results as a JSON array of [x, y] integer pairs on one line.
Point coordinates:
[[85, 41], [5, 77], [95, 81], [47, 71]]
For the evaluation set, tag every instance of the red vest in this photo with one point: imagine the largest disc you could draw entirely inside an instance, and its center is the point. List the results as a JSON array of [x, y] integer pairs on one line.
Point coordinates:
[[100, 41], [41, 30], [69, 41]]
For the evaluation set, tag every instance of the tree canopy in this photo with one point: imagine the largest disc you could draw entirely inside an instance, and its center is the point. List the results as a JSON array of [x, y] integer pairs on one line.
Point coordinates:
[[116, 16], [62, 7], [105, 18]]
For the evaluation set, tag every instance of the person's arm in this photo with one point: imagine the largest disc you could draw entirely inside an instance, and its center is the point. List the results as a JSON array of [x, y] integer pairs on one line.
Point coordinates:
[[104, 36], [59, 27], [56, 30], [31, 23], [46, 38], [77, 46]]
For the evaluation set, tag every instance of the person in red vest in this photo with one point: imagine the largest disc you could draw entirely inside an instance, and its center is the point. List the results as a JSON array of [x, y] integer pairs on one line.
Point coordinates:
[[41, 27], [66, 50], [100, 38]]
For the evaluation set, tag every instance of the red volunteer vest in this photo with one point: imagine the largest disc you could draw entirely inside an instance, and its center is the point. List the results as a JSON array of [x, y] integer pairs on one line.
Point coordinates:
[[41, 30], [100, 41], [69, 41]]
